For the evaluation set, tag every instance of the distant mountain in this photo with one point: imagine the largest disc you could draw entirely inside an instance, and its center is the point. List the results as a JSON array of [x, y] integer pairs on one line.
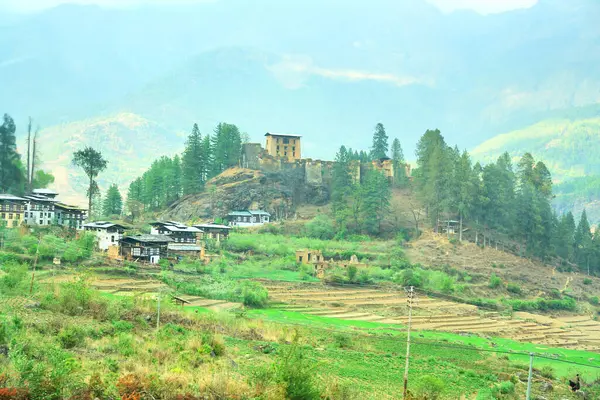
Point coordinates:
[[328, 70], [570, 149], [127, 141]]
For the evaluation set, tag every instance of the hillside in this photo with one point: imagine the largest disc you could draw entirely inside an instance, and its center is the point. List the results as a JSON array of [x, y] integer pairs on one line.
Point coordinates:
[[129, 142], [569, 147]]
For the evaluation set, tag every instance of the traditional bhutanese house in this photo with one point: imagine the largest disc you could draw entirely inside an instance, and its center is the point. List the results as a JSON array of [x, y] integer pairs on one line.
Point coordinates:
[[214, 231], [40, 209], [149, 248], [179, 232], [248, 218], [108, 233], [70, 216], [12, 209]]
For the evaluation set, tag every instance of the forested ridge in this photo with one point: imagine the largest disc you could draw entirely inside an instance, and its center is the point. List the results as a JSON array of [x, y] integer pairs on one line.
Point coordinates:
[[503, 202]]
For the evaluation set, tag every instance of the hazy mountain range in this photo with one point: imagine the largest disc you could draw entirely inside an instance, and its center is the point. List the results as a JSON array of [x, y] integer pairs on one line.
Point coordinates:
[[328, 70]]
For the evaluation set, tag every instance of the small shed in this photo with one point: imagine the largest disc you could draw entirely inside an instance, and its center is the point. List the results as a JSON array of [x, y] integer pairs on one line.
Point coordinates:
[[148, 248]]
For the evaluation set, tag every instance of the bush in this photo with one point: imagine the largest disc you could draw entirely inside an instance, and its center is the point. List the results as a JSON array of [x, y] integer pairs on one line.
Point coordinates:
[[594, 300], [71, 336], [14, 278], [506, 387], [254, 294], [342, 341], [513, 288], [429, 387], [321, 227], [495, 281], [587, 281], [352, 271], [296, 374], [547, 372]]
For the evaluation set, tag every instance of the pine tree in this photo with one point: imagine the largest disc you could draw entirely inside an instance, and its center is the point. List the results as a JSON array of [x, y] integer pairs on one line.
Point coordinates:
[[176, 178], [341, 187], [400, 178], [12, 175], [226, 147], [113, 202], [380, 143], [192, 163], [92, 162], [377, 194], [583, 241]]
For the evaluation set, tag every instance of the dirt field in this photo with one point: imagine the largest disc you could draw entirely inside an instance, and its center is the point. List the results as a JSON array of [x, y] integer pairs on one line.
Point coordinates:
[[579, 332]]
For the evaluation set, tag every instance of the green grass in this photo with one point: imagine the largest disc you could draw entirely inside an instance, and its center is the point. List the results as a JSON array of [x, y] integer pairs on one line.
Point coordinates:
[[394, 333]]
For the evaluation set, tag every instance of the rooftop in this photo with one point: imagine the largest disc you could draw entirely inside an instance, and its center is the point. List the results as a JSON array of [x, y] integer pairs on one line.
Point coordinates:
[[44, 191], [8, 196], [39, 197], [208, 226], [103, 225], [282, 134], [183, 247], [68, 207], [149, 238]]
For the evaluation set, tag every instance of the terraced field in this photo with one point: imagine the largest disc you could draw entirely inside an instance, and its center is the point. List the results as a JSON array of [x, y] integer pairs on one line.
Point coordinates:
[[378, 305]]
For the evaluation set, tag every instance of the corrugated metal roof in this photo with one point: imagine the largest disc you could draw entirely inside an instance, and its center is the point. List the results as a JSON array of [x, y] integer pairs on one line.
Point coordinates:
[[240, 213], [149, 238], [44, 191], [103, 225], [183, 247], [209, 226], [258, 212], [8, 196]]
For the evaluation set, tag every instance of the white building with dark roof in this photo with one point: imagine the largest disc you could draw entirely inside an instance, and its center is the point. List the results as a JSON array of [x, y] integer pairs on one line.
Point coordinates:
[[108, 233], [248, 218]]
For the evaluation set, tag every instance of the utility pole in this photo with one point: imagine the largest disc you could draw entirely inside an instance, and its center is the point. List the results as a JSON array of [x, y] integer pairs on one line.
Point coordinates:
[[530, 376], [411, 295]]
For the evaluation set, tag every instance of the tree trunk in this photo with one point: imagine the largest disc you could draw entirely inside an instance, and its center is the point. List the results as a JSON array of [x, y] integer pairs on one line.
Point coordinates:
[[90, 193], [460, 228]]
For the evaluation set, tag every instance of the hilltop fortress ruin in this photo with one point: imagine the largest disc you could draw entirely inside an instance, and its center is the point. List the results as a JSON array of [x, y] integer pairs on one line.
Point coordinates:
[[283, 151]]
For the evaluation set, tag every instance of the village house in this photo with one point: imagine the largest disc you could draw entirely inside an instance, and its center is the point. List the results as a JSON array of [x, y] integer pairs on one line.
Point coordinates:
[[70, 216], [40, 210], [147, 248], [177, 231], [248, 218], [281, 145], [214, 231], [12, 209], [108, 233]]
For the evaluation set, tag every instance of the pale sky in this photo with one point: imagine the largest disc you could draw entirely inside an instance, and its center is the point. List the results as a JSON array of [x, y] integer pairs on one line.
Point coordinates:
[[481, 6]]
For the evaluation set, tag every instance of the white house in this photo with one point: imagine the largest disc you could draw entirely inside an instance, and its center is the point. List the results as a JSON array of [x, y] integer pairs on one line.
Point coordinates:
[[108, 233], [248, 218], [39, 210]]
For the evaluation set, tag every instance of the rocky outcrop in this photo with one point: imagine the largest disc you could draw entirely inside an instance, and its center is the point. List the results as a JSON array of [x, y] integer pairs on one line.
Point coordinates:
[[240, 189]]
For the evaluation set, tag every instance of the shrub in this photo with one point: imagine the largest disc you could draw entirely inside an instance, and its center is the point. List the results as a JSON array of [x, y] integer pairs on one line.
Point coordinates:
[[495, 281], [14, 278], [342, 341], [411, 278], [547, 372], [296, 374], [429, 387], [594, 300], [587, 281], [254, 294], [513, 288], [321, 227], [71, 336], [506, 387], [352, 271]]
